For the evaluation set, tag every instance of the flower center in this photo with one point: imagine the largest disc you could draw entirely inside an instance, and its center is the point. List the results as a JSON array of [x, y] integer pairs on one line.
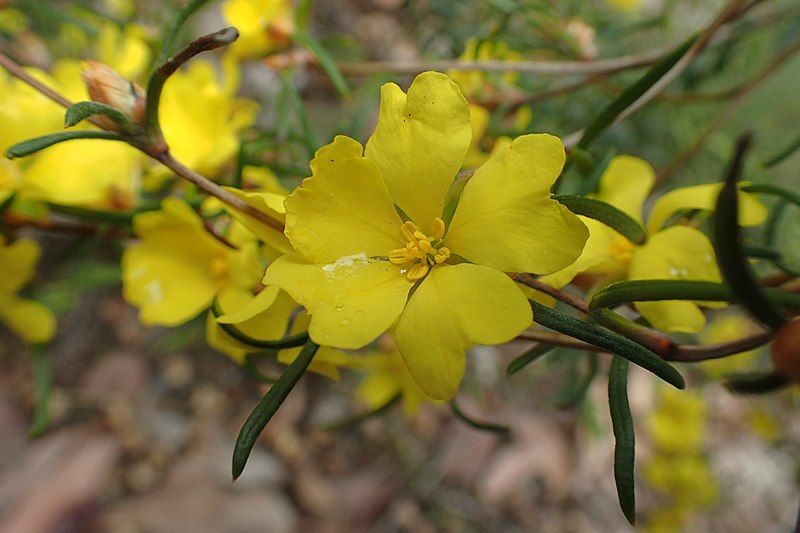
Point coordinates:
[[421, 251], [622, 249]]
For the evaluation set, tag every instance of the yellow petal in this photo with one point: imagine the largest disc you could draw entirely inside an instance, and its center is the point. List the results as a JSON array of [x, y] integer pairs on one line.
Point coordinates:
[[505, 217], [241, 310], [420, 142], [607, 253], [751, 211], [626, 183], [270, 204], [350, 302], [17, 263], [343, 209], [678, 252], [29, 319], [454, 308], [169, 273], [326, 362]]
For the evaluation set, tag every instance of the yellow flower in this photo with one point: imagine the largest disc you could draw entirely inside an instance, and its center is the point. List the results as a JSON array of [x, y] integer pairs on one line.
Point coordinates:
[[686, 478], [678, 423], [177, 268], [29, 319], [479, 117], [201, 119], [123, 49], [385, 377], [475, 82], [264, 317], [358, 261], [263, 25], [724, 327], [674, 252]]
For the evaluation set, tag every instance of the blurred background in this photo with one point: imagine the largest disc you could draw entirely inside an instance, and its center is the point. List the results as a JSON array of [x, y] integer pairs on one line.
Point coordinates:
[[143, 420]]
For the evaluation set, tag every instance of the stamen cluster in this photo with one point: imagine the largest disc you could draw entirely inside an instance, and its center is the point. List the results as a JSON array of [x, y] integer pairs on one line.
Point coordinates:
[[421, 251]]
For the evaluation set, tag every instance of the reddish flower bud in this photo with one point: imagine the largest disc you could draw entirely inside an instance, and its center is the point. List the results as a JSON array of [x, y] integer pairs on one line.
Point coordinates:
[[106, 86]]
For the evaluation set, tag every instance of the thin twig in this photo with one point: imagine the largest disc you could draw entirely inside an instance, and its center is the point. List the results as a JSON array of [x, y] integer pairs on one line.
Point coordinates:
[[726, 113], [609, 65], [533, 283]]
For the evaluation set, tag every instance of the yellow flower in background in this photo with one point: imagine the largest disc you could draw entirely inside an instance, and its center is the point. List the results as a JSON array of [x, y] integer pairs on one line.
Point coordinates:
[[625, 5], [358, 260], [123, 49], [264, 25], [476, 82], [201, 119], [725, 327], [673, 252], [264, 317], [176, 268], [678, 424], [384, 378], [29, 319]]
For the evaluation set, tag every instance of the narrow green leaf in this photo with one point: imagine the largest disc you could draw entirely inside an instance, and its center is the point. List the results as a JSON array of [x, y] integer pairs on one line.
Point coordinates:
[[607, 214], [756, 383], [592, 181], [772, 223], [42, 390], [167, 47], [607, 340], [582, 159], [325, 60], [574, 395], [302, 13], [727, 241], [625, 446], [528, 357], [83, 110], [790, 148], [116, 217], [5, 202], [268, 406], [290, 341], [31, 146], [773, 190], [296, 101], [654, 290], [761, 252], [631, 94], [480, 426]]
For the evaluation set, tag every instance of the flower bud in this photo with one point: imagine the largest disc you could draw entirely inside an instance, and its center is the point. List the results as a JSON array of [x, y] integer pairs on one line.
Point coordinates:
[[786, 350], [106, 86]]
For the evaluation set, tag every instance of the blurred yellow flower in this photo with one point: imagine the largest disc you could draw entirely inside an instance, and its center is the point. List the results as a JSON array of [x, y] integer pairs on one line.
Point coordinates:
[[201, 119], [674, 252], [678, 424], [358, 260], [724, 327], [123, 49], [29, 319], [476, 82], [176, 268], [264, 25]]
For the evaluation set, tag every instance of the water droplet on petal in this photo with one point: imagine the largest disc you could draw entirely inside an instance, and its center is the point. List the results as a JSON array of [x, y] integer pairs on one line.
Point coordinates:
[[339, 307], [345, 322]]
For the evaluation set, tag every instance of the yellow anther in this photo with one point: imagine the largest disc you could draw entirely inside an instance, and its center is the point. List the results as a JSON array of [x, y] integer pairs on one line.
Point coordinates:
[[442, 255], [417, 271], [437, 229], [425, 246], [420, 236], [399, 256], [408, 229]]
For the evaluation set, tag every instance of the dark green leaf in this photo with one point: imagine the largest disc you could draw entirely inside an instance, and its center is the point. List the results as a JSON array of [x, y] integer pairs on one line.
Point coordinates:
[[756, 383], [31, 146], [791, 148], [42, 390], [592, 181], [83, 110], [773, 190], [481, 426], [268, 406], [528, 357], [608, 341], [625, 447], [653, 290], [760, 252], [631, 94], [325, 60], [727, 240], [607, 214]]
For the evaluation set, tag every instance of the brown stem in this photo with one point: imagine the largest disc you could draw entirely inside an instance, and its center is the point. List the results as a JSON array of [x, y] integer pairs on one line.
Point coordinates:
[[533, 283]]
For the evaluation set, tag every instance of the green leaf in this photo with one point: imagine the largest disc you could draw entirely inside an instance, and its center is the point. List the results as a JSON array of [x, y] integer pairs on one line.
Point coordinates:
[[653, 290], [761, 252], [528, 357], [631, 94], [791, 148], [268, 406], [727, 241], [168, 42], [625, 447], [42, 390], [82, 110], [83, 213], [31, 146], [756, 383], [574, 395], [290, 341], [773, 190], [480, 426], [607, 214], [296, 102], [325, 60], [608, 341], [592, 181]]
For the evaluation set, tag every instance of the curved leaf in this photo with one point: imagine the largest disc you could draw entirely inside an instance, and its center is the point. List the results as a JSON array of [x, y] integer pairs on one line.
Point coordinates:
[[607, 214], [625, 447], [31, 146]]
